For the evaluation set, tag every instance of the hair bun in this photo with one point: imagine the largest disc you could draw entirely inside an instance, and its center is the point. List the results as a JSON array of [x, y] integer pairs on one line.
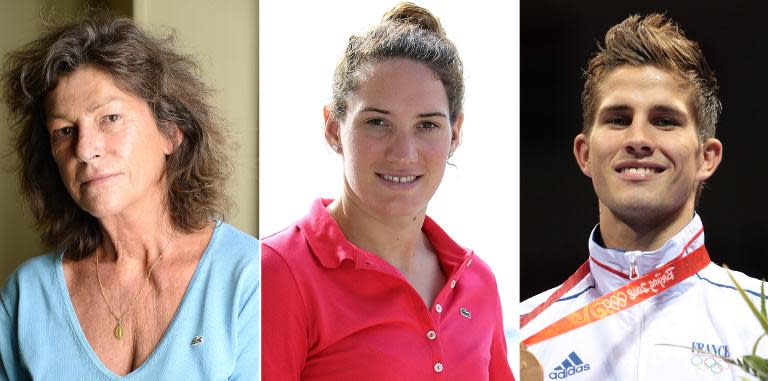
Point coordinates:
[[410, 13]]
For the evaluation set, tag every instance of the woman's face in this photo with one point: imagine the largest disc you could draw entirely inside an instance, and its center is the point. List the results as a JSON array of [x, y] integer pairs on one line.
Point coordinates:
[[396, 138], [106, 144]]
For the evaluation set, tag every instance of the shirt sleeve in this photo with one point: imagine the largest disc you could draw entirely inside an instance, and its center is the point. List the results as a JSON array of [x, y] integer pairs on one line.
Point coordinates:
[[10, 363], [284, 318], [249, 330], [499, 369]]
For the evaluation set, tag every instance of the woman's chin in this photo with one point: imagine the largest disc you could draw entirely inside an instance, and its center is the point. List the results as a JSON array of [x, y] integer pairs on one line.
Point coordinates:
[[102, 209]]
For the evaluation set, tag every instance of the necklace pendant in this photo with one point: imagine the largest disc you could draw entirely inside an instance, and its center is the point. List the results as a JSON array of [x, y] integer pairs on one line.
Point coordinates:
[[119, 331]]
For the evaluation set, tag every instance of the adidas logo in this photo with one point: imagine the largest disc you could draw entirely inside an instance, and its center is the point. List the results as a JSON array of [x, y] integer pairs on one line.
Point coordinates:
[[570, 366]]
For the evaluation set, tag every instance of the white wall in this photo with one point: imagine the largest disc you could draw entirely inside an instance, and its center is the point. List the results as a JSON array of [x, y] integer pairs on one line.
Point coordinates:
[[223, 38]]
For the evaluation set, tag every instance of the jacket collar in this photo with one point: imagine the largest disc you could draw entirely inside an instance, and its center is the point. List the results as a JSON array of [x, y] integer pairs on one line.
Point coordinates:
[[685, 241]]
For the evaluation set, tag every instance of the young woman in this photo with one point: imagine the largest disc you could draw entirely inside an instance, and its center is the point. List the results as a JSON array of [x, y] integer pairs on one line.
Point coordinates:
[[366, 286]]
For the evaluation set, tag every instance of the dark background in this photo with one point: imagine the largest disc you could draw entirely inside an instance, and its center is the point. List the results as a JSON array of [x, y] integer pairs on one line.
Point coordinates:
[[558, 204]]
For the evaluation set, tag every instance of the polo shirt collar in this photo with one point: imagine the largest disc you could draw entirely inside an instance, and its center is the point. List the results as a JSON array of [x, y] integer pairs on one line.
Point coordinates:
[[646, 261], [331, 247]]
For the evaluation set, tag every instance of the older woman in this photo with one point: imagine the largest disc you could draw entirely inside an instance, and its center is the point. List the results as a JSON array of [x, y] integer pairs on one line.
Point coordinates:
[[123, 163], [367, 287]]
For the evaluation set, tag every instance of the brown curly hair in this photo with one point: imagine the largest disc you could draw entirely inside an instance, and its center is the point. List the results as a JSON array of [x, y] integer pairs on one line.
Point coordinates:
[[148, 68]]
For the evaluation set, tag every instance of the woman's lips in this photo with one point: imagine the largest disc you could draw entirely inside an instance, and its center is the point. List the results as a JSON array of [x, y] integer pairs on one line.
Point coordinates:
[[98, 179]]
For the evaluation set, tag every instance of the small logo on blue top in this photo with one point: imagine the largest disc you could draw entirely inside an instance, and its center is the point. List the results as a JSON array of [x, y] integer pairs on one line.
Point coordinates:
[[570, 366], [197, 340]]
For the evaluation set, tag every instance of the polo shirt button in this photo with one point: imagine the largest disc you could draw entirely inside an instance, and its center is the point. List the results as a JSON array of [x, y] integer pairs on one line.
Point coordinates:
[[431, 335], [469, 262], [438, 367], [438, 308], [453, 283]]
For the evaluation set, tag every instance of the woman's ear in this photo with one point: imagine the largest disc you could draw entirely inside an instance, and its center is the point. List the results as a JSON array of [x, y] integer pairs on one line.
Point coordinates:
[[456, 132], [174, 140], [332, 129]]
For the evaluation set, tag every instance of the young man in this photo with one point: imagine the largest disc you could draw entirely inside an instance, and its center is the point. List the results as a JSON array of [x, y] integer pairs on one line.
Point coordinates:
[[648, 304]]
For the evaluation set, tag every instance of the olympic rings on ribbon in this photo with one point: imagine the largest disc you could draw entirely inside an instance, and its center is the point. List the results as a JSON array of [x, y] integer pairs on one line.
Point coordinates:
[[616, 302], [715, 364]]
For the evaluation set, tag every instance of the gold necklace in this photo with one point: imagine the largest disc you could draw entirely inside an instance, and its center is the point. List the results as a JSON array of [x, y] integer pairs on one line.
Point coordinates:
[[119, 328]]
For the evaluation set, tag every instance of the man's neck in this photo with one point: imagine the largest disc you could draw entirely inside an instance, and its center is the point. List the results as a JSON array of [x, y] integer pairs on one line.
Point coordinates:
[[641, 234]]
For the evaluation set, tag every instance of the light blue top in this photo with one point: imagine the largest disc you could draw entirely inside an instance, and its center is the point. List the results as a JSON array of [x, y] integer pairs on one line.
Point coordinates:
[[41, 338]]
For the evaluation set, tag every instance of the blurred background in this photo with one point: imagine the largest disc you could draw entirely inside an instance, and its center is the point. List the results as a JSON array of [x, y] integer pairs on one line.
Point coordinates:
[[222, 36], [558, 205]]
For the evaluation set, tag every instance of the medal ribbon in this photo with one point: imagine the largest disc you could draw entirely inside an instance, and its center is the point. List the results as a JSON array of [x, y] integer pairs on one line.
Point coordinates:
[[637, 291]]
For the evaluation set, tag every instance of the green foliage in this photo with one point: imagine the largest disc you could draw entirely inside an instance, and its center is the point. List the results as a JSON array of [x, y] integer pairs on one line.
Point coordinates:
[[753, 364]]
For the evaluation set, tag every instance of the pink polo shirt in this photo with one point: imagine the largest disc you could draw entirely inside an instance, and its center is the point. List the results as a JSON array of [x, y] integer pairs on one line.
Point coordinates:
[[332, 311]]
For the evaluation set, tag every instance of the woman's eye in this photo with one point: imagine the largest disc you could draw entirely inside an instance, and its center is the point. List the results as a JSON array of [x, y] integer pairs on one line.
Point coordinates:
[[376, 122], [63, 132], [428, 125], [112, 118]]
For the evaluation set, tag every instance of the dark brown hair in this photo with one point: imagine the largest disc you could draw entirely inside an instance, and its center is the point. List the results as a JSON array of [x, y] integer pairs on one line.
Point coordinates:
[[143, 65], [406, 31], [654, 40]]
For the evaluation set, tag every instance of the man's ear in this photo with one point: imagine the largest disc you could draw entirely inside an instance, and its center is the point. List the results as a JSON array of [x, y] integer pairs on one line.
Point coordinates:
[[332, 125], [581, 152], [711, 155]]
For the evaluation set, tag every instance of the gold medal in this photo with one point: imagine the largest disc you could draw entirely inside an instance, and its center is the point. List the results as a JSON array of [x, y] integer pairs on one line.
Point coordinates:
[[530, 367]]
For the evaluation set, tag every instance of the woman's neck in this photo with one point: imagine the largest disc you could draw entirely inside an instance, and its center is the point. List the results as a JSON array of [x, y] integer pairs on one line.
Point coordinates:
[[396, 239], [140, 238]]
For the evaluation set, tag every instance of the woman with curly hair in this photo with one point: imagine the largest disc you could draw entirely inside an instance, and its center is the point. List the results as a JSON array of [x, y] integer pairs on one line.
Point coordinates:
[[123, 164]]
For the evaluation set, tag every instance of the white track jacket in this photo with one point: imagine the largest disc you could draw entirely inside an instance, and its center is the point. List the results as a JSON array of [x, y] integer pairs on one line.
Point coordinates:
[[703, 317]]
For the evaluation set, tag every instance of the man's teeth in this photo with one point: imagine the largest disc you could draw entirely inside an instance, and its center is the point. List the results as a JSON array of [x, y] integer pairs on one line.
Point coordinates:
[[639, 171], [399, 179]]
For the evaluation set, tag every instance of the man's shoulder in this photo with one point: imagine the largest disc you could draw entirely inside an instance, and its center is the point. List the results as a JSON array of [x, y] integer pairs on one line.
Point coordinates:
[[579, 289], [529, 304], [716, 278]]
